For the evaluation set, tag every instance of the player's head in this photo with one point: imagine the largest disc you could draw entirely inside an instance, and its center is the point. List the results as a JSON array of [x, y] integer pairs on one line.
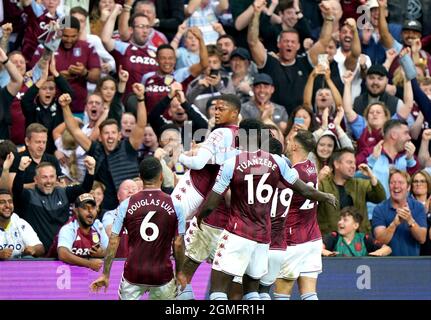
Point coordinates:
[[70, 32], [166, 58], [150, 171], [45, 177], [85, 210], [250, 134], [301, 141], [227, 109], [127, 188], [6, 205], [110, 134], [350, 221], [275, 146]]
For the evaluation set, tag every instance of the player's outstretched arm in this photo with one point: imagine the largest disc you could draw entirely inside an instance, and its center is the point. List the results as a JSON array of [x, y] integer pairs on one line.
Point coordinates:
[[314, 194], [103, 280]]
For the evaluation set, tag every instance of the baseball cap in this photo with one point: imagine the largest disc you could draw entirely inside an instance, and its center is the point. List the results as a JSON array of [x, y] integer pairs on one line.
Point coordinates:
[[412, 25], [372, 4], [83, 199], [262, 78], [377, 69], [240, 52]]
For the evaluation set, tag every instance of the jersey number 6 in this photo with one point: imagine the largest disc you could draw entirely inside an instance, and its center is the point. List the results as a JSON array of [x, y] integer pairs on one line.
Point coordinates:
[[146, 224]]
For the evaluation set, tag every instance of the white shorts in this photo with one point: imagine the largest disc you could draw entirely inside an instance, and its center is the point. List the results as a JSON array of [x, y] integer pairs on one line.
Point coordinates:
[[201, 244], [129, 291], [275, 261], [303, 260], [236, 255], [186, 196]]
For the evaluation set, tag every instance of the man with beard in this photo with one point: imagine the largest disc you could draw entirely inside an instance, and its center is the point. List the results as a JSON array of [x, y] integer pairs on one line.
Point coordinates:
[[82, 241], [46, 207], [17, 237], [349, 56], [376, 82], [411, 31], [226, 44], [76, 61]]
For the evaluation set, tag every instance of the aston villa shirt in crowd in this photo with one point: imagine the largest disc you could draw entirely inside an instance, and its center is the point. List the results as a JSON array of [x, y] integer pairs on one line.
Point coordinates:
[[157, 85], [72, 237], [80, 52], [137, 60], [38, 19], [152, 223], [251, 177]]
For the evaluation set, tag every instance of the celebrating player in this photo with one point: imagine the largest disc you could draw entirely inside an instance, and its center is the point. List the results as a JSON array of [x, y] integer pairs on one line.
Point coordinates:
[[154, 224], [243, 246]]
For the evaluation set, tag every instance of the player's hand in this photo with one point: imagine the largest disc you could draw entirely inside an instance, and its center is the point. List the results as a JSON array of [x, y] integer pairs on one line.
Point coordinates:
[[332, 200], [24, 163], [99, 283], [90, 164], [181, 280], [6, 253], [95, 264], [7, 163], [65, 100]]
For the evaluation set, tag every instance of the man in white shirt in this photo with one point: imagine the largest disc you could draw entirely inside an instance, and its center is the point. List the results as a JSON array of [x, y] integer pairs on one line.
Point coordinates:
[[17, 237]]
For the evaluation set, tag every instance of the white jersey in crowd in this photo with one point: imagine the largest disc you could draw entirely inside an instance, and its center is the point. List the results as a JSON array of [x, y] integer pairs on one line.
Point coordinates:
[[17, 236]]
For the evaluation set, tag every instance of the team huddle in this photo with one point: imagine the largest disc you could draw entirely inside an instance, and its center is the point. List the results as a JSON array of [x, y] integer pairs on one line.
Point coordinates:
[[249, 212]]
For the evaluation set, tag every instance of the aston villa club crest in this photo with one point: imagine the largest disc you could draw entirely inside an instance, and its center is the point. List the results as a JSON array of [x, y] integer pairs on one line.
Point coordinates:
[[168, 80], [77, 52], [95, 237], [151, 53]]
